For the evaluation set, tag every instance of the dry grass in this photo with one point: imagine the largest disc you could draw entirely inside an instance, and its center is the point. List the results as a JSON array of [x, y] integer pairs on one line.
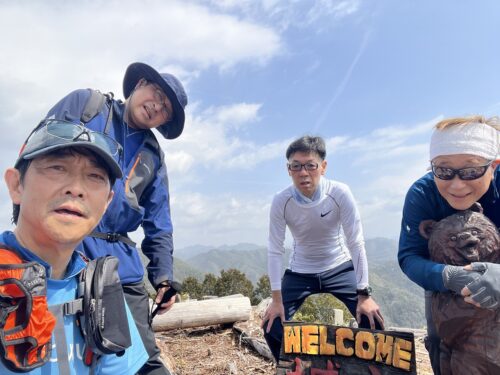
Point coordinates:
[[210, 350]]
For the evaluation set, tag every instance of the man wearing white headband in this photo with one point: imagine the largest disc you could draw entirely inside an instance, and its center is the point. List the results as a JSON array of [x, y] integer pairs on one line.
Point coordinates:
[[464, 159]]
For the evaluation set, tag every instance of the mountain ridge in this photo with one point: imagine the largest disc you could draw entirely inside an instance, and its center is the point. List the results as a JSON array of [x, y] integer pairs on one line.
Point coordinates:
[[400, 300]]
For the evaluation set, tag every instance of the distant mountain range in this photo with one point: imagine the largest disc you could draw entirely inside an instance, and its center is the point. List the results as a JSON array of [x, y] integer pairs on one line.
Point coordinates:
[[400, 300], [186, 253]]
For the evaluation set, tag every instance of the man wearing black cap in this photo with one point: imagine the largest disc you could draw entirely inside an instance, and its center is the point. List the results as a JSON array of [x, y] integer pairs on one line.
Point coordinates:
[[153, 100], [60, 187]]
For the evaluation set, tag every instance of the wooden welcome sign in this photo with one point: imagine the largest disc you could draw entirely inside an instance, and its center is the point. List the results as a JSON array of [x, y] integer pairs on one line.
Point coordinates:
[[315, 349]]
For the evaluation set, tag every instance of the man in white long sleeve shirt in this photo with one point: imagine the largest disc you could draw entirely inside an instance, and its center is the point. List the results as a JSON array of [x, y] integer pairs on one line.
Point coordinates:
[[328, 254]]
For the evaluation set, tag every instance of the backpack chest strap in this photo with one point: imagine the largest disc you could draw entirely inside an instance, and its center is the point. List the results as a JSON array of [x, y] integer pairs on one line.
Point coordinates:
[[73, 307]]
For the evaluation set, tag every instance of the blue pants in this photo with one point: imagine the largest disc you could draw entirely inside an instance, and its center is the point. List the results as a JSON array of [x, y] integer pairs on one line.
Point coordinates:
[[296, 287]]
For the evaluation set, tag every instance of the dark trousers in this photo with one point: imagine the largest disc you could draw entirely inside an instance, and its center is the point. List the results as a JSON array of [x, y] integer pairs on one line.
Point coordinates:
[[432, 341], [138, 303], [296, 287]]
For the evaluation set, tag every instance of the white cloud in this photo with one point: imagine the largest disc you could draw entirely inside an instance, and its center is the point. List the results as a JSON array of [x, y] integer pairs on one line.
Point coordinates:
[[234, 115], [331, 8], [284, 14], [57, 49], [213, 139], [219, 218], [387, 142], [385, 163]]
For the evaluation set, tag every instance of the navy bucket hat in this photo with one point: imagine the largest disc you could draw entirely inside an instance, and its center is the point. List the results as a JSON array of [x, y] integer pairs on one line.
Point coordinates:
[[170, 85]]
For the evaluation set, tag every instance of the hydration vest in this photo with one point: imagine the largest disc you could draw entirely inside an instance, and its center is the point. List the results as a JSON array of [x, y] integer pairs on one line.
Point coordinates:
[[27, 323]]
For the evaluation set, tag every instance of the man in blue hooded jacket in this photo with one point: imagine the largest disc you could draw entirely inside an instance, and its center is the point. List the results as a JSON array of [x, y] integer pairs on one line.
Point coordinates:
[[153, 101]]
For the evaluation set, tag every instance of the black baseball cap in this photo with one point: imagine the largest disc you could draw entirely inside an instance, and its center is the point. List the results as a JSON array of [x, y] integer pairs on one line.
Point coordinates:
[[54, 135]]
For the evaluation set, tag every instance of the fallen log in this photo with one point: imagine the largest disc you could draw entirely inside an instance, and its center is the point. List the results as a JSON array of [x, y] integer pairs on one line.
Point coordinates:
[[209, 312]]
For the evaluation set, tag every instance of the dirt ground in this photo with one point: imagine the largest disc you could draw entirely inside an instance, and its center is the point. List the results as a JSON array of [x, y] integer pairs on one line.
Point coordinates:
[[221, 350]]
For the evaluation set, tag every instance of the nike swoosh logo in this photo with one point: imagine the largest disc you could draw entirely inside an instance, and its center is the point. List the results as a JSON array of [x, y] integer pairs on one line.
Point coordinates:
[[326, 213]]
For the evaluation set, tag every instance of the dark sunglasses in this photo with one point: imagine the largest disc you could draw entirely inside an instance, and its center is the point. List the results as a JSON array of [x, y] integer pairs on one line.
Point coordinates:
[[75, 132], [466, 174], [68, 131]]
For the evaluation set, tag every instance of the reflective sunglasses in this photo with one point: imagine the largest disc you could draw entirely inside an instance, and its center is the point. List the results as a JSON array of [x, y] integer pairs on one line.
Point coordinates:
[[466, 174], [296, 167], [69, 131]]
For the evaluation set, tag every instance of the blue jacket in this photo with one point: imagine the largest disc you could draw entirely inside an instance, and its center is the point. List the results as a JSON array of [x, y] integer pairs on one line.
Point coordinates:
[[141, 197], [64, 290], [423, 202]]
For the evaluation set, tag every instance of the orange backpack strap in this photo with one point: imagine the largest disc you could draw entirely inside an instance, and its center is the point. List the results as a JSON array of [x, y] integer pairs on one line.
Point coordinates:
[[26, 324]]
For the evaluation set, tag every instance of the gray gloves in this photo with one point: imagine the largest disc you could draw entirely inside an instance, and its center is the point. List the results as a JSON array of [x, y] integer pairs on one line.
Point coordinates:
[[485, 290], [483, 282], [455, 278]]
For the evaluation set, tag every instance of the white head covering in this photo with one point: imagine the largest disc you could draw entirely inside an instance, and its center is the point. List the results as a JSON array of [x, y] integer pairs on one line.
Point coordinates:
[[472, 139]]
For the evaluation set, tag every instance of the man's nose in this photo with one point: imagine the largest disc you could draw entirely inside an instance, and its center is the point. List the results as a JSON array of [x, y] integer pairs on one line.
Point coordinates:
[[303, 170], [75, 185]]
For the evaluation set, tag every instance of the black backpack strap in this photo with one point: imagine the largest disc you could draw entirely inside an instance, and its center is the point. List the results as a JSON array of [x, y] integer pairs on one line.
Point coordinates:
[[93, 106], [113, 237]]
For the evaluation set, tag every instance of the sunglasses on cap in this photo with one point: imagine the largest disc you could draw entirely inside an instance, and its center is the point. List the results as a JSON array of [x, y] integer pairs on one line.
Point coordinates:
[[69, 131], [466, 174]]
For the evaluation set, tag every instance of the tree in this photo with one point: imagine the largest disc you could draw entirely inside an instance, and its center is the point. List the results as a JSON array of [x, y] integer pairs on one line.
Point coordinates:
[[320, 308], [192, 287], [208, 285], [233, 281], [262, 290]]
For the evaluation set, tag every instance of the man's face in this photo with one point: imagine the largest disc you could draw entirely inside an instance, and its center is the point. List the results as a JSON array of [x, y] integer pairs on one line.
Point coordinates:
[[62, 199], [148, 106], [306, 181], [461, 194]]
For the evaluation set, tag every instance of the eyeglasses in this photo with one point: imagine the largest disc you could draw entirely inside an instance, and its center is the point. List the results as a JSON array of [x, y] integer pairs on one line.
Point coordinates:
[[161, 98], [296, 167], [467, 174], [69, 131]]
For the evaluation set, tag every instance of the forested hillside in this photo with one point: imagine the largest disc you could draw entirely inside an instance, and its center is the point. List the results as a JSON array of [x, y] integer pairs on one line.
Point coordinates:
[[401, 300]]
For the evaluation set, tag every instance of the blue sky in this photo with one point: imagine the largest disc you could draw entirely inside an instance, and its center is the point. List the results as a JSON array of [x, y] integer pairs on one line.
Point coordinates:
[[371, 77]]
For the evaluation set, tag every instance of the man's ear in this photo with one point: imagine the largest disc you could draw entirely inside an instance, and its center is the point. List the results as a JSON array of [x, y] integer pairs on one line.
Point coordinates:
[[324, 163], [425, 228], [110, 198], [12, 179]]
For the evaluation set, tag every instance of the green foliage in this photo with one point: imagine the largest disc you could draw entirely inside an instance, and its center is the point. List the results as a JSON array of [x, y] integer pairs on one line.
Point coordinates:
[[233, 281], [192, 287], [208, 286], [320, 308], [262, 290]]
